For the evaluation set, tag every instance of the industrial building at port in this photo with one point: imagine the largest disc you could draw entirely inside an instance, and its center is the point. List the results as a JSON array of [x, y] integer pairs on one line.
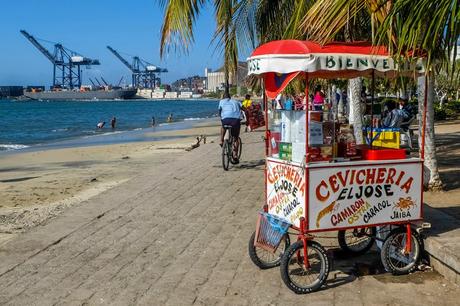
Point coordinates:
[[145, 79]]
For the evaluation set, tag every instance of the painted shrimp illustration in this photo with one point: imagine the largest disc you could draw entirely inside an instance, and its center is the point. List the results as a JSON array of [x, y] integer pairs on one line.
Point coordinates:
[[405, 204], [324, 212]]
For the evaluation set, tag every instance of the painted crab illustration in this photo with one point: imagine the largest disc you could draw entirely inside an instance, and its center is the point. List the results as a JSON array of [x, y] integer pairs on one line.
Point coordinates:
[[405, 204]]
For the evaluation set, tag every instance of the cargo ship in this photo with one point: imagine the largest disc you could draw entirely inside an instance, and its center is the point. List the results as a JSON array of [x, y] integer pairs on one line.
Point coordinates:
[[112, 94]]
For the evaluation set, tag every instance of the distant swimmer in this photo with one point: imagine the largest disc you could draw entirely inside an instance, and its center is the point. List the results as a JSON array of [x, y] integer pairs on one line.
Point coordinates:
[[153, 121], [101, 124], [113, 122], [170, 118]]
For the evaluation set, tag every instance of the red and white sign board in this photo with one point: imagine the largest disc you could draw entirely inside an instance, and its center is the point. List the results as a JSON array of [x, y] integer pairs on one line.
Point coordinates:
[[286, 191], [348, 196]]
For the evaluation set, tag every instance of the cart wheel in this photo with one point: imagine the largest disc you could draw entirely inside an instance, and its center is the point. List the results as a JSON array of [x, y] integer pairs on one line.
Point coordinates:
[[357, 241], [225, 155], [393, 254], [265, 259], [296, 276]]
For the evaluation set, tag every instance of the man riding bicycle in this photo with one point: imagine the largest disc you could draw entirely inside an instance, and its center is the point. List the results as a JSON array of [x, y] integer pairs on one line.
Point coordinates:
[[230, 112]]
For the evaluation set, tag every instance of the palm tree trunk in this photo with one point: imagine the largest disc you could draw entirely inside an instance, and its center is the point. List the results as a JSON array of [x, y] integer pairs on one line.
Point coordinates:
[[226, 64], [355, 116], [226, 79], [432, 180]]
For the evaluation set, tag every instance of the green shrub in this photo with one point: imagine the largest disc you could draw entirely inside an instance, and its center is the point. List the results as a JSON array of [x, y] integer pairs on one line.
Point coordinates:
[[439, 113]]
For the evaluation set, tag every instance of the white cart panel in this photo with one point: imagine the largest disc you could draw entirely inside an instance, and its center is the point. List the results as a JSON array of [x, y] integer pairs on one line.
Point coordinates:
[[286, 191], [347, 196]]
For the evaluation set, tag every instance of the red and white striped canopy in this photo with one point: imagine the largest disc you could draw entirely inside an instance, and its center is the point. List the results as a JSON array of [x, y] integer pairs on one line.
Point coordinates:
[[335, 60]]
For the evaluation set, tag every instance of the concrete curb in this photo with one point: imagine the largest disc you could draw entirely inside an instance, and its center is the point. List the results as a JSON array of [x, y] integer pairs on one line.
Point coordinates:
[[443, 243]]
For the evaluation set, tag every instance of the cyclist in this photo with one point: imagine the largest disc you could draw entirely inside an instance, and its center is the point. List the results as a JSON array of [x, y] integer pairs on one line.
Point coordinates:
[[230, 112]]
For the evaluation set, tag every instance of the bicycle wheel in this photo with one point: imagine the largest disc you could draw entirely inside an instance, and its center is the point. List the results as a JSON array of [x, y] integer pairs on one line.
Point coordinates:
[[225, 156], [357, 241], [303, 280], [265, 259], [240, 147], [393, 255]]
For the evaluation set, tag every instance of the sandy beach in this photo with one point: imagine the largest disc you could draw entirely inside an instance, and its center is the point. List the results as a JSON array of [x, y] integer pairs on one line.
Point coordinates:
[[36, 186]]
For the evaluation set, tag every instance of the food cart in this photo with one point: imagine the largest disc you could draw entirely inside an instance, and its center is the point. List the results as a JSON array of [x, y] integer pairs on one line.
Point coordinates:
[[317, 181]]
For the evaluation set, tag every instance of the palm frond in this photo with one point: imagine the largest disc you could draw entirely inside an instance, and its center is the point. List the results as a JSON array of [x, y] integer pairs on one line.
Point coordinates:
[[178, 21], [431, 26]]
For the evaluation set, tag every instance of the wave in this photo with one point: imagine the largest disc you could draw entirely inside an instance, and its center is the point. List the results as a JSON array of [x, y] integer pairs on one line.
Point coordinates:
[[8, 147], [192, 119]]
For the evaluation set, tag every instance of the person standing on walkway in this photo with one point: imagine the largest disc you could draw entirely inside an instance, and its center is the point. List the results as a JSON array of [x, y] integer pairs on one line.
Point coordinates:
[[247, 102], [318, 99]]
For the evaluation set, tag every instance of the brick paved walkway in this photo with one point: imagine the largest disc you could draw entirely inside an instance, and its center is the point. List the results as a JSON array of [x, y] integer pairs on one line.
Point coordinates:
[[177, 235]]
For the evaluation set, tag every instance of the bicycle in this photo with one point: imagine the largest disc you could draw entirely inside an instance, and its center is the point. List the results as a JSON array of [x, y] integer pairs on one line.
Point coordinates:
[[230, 149]]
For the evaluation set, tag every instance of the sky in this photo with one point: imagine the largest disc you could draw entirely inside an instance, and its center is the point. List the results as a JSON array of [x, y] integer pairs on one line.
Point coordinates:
[[88, 26]]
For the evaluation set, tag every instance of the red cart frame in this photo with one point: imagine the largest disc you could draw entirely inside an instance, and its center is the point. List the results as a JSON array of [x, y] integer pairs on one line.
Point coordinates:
[[326, 189]]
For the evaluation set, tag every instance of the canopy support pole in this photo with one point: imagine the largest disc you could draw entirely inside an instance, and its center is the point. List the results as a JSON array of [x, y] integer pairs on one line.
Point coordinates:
[[267, 132], [307, 118], [372, 106]]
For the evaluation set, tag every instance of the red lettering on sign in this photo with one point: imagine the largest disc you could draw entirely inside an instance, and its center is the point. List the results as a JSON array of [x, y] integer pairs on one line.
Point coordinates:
[[319, 196], [358, 175], [333, 183]]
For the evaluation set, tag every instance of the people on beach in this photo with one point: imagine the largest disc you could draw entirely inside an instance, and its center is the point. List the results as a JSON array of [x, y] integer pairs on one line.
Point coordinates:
[[113, 122], [153, 121], [170, 118], [230, 112], [100, 125]]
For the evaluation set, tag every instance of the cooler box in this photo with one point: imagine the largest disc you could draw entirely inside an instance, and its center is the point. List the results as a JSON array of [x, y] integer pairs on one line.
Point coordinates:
[[382, 137], [379, 153]]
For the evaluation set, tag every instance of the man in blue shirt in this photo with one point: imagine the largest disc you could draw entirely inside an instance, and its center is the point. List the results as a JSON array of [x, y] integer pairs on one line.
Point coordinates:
[[230, 112]]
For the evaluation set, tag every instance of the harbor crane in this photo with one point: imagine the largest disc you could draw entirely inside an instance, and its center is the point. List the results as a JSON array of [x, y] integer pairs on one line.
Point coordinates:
[[66, 63], [144, 74]]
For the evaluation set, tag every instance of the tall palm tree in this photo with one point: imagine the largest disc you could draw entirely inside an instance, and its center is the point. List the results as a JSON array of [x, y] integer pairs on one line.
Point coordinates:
[[432, 26], [177, 29], [402, 25]]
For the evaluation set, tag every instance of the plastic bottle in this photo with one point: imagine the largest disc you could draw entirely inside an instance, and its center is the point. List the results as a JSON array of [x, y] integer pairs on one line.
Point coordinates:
[[350, 142]]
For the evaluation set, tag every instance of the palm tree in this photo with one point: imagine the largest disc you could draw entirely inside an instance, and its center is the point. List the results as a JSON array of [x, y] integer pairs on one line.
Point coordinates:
[[432, 26], [403, 25], [177, 29]]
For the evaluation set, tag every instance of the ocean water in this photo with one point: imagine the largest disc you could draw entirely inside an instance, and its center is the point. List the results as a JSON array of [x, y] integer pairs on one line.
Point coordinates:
[[39, 123]]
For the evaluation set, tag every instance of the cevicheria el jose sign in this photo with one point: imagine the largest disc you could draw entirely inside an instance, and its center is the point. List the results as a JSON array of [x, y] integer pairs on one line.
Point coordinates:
[[364, 195], [344, 197]]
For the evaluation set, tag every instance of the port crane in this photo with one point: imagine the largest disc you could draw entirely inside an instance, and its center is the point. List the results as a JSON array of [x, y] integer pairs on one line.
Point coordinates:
[[144, 74], [66, 63]]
